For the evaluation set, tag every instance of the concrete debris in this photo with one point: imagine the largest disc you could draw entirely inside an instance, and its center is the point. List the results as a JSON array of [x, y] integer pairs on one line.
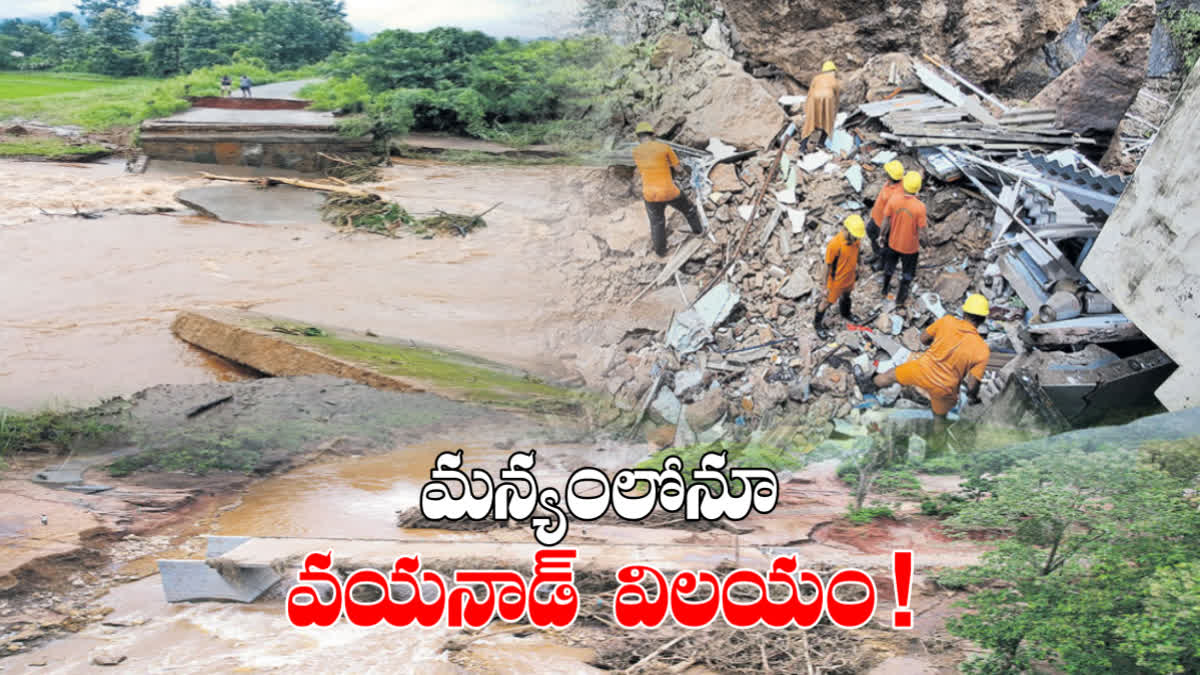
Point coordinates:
[[688, 383], [796, 218], [688, 332], [666, 408], [933, 303], [815, 160], [883, 157], [854, 176], [714, 307], [720, 149], [798, 285]]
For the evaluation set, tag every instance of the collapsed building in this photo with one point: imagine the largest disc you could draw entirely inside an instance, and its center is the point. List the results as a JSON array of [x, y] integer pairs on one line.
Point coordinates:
[[1020, 210]]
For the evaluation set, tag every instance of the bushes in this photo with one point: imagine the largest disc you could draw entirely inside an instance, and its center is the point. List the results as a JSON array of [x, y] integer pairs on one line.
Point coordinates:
[[467, 83], [1184, 25]]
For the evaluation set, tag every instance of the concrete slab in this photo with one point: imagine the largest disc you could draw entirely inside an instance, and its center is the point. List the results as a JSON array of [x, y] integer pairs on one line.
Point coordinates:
[[252, 205], [194, 580], [207, 117], [282, 347]]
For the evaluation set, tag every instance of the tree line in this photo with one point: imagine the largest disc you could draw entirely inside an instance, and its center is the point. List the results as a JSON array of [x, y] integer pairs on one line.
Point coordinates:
[[103, 37]]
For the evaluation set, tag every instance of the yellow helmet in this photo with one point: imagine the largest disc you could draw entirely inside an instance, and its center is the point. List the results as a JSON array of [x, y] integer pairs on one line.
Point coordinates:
[[912, 182], [828, 66], [894, 169], [977, 305], [644, 128], [855, 226]]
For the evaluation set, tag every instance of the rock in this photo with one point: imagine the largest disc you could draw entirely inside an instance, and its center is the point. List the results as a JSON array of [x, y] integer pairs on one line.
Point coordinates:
[[688, 383], [728, 104], [983, 38], [945, 202], [671, 47], [799, 390], [717, 38], [951, 287], [770, 394], [666, 407], [889, 395], [725, 179], [884, 323], [911, 339], [106, 656], [849, 338], [1092, 96], [662, 436], [871, 82], [16, 130], [834, 381], [787, 309], [798, 285], [707, 410], [950, 228]]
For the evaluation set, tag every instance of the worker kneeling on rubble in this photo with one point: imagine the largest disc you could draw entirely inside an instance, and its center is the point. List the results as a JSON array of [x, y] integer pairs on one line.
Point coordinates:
[[956, 353], [655, 162], [903, 221], [821, 106], [894, 188], [841, 271]]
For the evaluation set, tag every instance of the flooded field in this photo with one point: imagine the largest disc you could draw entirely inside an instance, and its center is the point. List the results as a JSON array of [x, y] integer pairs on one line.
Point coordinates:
[[90, 300]]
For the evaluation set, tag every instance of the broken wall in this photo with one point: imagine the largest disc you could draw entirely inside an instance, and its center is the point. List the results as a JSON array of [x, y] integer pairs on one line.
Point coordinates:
[[1145, 260]]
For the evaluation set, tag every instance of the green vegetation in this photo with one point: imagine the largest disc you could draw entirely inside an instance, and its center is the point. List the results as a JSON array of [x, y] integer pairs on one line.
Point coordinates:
[[446, 79], [868, 514], [197, 34], [1184, 25], [1097, 573], [1108, 10], [60, 431], [50, 148], [123, 103], [27, 85]]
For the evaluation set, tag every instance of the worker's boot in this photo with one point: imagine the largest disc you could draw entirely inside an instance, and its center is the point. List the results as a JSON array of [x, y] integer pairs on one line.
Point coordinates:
[[887, 285], [819, 325], [844, 308], [902, 294]]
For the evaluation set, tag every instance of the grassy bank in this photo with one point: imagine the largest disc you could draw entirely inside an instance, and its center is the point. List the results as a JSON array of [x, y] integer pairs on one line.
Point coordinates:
[[100, 104], [50, 148]]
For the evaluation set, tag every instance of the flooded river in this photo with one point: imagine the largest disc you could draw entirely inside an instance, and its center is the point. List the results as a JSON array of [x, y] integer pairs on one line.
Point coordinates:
[[88, 302]]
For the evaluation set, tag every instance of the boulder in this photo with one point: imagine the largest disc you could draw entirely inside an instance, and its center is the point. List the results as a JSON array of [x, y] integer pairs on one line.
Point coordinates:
[[798, 285], [1093, 95], [982, 39], [945, 202], [725, 179], [872, 81], [727, 103], [950, 227], [707, 411], [671, 47], [106, 656], [951, 287]]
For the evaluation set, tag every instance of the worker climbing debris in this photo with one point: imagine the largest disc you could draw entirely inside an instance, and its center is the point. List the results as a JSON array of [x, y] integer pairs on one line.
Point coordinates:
[[904, 219], [894, 188], [956, 355], [821, 107], [656, 162], [841, 271]]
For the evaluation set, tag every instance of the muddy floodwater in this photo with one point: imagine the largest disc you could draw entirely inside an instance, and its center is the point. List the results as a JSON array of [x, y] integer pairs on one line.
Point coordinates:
[[88, 302]]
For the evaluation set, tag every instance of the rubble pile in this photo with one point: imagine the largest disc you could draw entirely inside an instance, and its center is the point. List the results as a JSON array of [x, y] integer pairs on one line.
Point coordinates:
[[1014, 209]]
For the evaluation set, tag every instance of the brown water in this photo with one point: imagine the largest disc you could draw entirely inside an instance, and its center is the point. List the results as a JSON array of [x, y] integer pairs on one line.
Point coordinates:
[[88, 302]]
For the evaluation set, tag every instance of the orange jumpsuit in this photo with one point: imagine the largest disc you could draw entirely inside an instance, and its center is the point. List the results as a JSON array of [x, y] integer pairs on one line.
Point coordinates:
[[908, 218], [654, 161], [821, 106], [842, 259], [889, 192], [957, 351]]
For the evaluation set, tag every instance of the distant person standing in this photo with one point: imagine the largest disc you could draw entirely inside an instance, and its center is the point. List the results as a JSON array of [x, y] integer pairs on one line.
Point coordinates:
[[821, 106], [656, 161], [246, 84], [226, 85]]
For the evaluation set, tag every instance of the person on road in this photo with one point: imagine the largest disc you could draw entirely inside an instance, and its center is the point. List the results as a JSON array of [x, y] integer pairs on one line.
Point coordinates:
[[246, 84], [903, 222], [956, 354], [841, 265], [894, 187], [655, 162], [226, 85], [821, 106]]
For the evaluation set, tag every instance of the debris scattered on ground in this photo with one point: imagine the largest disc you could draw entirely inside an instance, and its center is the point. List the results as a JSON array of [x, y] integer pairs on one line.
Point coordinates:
[[352, 170], [1014, 207]]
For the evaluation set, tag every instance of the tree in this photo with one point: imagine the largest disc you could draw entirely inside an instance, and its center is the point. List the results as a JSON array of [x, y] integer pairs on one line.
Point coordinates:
[[92, 9], [112, 46], [167, 46], [203, 28], [1087, 530]]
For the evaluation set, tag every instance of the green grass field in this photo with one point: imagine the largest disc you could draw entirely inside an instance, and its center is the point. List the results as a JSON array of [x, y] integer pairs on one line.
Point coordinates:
[[29, 85]]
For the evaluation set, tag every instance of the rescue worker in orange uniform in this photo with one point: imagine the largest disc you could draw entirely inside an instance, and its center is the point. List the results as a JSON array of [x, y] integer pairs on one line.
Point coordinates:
[[656, 162], [821, 106], [903, 220], [895, 187], [841, 270], [956, 354]]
